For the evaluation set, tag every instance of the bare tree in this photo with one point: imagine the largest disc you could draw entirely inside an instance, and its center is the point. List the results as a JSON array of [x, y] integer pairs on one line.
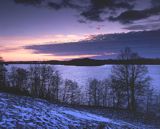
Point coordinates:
[[54, 84], [149, 100], [46, 75], [132, 77], [44, 81], [94, 92], [18, 78], [71, 92], [106, 92], [119, 92], [2, 74], [34, 79]]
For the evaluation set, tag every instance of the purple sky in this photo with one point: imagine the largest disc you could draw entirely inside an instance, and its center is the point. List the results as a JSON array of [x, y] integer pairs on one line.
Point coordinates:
[[24, 23]]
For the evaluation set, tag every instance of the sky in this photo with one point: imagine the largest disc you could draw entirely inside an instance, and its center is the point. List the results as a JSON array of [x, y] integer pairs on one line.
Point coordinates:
[[69, 29]]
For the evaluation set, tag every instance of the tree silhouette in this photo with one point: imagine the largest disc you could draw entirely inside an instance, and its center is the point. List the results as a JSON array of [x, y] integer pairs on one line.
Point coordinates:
[[133, 78]]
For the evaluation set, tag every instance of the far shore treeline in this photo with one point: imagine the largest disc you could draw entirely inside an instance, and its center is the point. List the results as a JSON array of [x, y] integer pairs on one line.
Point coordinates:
[[92, 62]]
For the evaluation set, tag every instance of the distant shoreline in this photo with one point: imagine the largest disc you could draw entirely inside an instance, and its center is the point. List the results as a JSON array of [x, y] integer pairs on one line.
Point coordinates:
[[91, 62]]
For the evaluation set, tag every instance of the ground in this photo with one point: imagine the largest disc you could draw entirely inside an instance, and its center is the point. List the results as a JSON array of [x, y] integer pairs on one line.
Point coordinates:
[[25, 112]]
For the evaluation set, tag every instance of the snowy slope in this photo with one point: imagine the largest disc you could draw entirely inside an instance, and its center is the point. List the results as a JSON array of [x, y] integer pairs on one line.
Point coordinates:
[[25, 112]]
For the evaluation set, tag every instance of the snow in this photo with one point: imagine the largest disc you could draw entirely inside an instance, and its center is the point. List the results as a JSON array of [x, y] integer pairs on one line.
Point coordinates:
[[26, 112]]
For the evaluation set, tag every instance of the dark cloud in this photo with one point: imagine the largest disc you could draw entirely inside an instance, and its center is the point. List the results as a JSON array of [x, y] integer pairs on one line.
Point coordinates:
[[153, 26], [54, 5], [89, 9], [146, 43], [99, 7], [155, 2], [129, 16], [137, 27], [29, 2], [133, 15], [82, 21], [72, 4], [123, 11], [92, 15], [79, 48]]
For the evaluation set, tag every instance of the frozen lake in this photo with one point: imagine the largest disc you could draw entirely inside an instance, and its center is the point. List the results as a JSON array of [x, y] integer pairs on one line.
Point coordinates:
[[82, 74]]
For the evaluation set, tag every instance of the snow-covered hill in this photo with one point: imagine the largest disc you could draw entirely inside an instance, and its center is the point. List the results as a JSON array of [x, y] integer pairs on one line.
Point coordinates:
[[25, 112]]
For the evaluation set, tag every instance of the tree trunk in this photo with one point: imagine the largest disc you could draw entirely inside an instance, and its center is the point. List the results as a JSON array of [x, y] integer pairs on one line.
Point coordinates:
[[127, 85], [133, 102]]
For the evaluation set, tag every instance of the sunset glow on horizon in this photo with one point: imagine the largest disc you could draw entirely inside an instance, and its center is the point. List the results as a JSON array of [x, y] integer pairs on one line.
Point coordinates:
[[18, 53]]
